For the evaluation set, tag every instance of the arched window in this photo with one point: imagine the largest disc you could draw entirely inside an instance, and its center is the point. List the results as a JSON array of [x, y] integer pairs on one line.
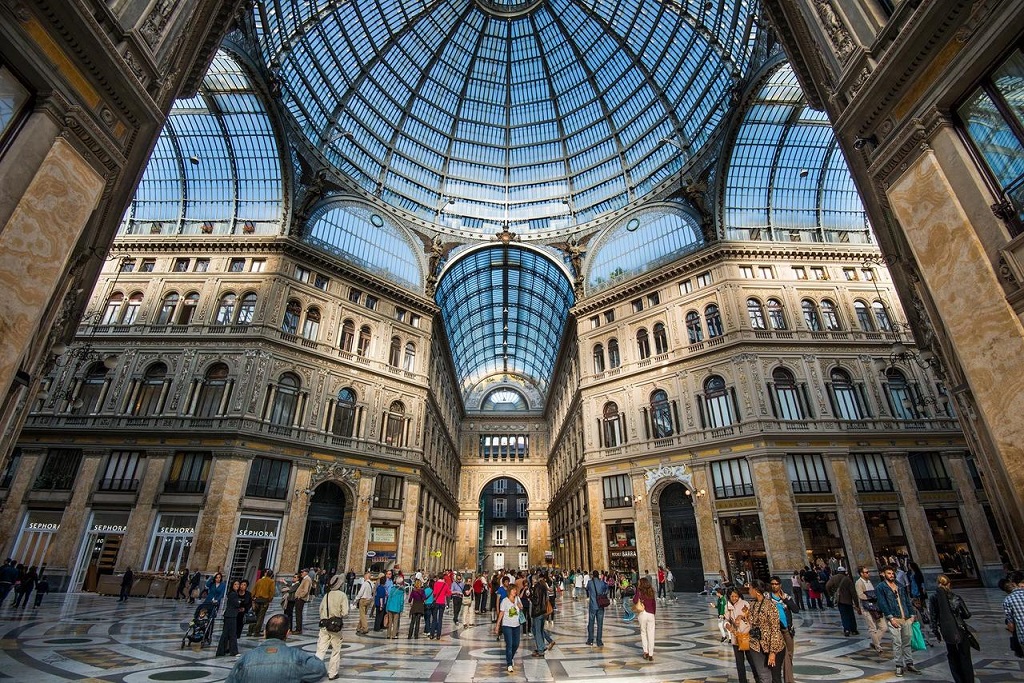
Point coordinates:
[[713, 318], [643, 344], [345, 413], [91, 390], [598, 359], [311, 325], [614, 360], [226, 310], [211, 391], [660, 339], [811, 318], [247, 309], [394, 425], [863, 316], [661, 415], [787, 401], [363, 347], [900, 395], [150, 391], [292, 312], [694, 330], [611, 425], [845, 399], [131, 311], [168, 308], [348, 335], [882, 316], [286, 400], [188, 308], [829, 316], [112, 312], [755, 312], [776, 316], [719, 409], [395, 352], [409, 360]]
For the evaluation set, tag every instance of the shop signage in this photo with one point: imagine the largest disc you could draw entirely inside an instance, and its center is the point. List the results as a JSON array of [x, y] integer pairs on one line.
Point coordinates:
[[383, 534], [370, 553], [257, 533], [177, 530], [622, 553], [43, 526], [109, 528]]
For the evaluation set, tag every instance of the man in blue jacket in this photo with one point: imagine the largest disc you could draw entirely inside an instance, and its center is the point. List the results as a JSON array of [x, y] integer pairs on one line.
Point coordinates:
[[597, 587], [894, 603], [274, 662]]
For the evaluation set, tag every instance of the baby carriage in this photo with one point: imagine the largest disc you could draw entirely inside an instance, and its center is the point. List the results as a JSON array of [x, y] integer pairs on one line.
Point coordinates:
[[200, 629]]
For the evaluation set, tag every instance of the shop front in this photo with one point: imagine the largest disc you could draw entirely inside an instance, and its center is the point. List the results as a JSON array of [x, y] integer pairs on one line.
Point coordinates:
[[383, 545], [621, 543], [171, 543], [743, 544], [38, 530], [255, 548], [823, 540], [888, 539], [102, 543], [951, 544]]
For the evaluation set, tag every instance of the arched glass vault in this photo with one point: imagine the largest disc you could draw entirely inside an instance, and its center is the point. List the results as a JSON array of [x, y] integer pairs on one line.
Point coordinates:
[[504, 310]]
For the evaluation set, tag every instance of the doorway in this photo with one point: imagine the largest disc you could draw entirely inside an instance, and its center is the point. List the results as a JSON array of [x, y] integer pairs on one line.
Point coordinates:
[[679, 538], [321, 545]]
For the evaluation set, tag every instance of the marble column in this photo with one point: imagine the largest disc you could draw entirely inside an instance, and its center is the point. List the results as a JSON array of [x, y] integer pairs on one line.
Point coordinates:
[[24, 477], [68, 540], [540, 534], [598, 536], [780, 526], [219, 520], [646, 546], [293, 526], [707, 530], [915, 522], [942, 206], [36, 244], [410, 517], [983, 544], [851, 520], [361, 522], [140, 523], [467, 548]]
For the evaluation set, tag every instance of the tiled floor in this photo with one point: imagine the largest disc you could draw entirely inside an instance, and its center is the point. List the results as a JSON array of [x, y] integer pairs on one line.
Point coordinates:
[[84, 637]]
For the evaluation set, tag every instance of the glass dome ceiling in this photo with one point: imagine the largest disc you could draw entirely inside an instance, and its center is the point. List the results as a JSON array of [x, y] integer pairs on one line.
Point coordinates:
[[534, 115]]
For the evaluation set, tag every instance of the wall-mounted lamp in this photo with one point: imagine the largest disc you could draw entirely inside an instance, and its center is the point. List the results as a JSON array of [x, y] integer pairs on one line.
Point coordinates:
[[635, 500], [901, 355], [860, 142], [194, 160], [697, 493]]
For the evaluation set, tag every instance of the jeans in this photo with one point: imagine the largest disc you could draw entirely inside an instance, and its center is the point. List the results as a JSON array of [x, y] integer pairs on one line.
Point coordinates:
[[661, 589], [540, 635], [901, 652], [798, 597], [764, 673], [438, 619], [595, 614], [414, 624], [512, 636], [456, 607]]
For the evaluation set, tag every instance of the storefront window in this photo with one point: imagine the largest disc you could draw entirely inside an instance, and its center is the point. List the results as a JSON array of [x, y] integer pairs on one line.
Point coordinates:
[[888, 540], [99, 549], [171, 544], [822, 537], [622, 547], [255, 547], [37, 533], [951, 543], [743, 544]]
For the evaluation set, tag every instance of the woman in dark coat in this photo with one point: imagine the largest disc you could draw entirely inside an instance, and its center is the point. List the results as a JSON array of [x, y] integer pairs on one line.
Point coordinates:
[[948, 613], [244, 605], [25, 587], [228, 644]]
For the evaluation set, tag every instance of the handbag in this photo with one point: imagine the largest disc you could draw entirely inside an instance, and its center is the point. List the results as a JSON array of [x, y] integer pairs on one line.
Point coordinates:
[[250, 617], [742, 641], [917, 641], [972, 640], [333, 624], [638, 607], [549, 608], [603, 601]]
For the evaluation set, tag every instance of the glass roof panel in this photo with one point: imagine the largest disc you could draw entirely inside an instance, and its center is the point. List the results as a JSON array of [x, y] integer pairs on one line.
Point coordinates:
[[641, 243], [490, 100], [216, 167], [504, 310], [368, 240], [786, 170]]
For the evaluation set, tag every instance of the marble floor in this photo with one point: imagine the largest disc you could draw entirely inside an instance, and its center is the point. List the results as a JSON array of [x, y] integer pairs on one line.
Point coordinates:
[[84, 637]]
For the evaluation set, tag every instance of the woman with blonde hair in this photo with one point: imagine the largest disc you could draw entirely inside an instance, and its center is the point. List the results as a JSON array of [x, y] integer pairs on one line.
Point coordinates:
[[948, 612], [645, 605]]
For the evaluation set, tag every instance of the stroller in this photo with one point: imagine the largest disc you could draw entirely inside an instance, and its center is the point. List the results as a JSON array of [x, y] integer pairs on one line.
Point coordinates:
[[200, 629]]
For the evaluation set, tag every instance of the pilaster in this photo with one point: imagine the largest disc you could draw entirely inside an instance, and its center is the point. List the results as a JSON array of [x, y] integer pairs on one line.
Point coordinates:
[[295, 521], [24, 476], [467, 541], [410, 517], [983, 544], [140, 522], [915, 522], [851, 521], [783, 537], [72, 524], [361, 522], [216, 527], [598, 535], [707, 530], [646, 547]]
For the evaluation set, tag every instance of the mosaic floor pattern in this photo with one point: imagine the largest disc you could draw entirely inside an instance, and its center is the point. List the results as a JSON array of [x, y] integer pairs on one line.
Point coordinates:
[[88, 638]]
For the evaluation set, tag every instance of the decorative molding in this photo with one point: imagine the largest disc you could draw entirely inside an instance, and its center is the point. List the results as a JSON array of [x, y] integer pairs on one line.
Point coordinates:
[[335, 472], [680, 473], [837, 33]]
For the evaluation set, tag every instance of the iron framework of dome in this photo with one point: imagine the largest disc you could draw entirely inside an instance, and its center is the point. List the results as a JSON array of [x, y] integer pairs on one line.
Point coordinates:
[[480, 115]]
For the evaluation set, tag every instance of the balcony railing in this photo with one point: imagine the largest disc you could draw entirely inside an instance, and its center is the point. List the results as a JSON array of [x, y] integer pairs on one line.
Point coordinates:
[[737, 491], [873, 485], [119, 485], [264, 491], [52, 482], [812, 486], [934, 484], [184, 486]]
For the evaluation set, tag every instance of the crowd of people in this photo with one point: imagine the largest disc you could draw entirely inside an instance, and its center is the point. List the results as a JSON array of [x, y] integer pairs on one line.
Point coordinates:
[[23, 581]]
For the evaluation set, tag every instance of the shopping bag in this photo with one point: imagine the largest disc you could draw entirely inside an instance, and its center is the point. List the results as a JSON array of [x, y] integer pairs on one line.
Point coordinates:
[[917, 641]]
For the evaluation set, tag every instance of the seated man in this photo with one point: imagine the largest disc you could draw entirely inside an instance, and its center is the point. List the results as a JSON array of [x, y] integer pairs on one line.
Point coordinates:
[[274, 662]]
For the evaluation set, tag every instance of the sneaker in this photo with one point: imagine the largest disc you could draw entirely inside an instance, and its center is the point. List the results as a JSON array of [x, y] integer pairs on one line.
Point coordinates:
[[899, 670], [590, 643], [550, 645], [510, 668], [913, 669]]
